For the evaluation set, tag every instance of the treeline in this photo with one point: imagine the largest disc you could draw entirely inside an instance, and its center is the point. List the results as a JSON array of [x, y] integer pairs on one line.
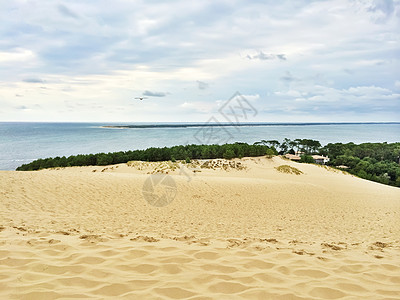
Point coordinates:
[[306, 146], [188, 152], [373, 161]]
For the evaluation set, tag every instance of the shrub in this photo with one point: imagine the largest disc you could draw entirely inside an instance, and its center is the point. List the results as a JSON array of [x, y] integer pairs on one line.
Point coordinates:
[[269, 153], [362, 174], [307, 159], [288, 169]]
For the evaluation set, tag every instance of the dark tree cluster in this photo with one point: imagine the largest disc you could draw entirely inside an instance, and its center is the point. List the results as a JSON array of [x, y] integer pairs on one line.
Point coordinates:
[[378, 162], [373, 161], [188, 152], [306, 146]]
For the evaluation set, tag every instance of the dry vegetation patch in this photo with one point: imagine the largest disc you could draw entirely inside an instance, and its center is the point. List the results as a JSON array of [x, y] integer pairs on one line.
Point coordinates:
[[288, 169]]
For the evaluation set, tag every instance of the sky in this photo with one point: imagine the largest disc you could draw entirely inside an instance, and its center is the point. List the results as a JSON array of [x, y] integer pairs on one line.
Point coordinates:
[[292, 61]]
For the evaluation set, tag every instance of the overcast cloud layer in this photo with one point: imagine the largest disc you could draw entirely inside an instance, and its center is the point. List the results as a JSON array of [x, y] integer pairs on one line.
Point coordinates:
[[295, 61]]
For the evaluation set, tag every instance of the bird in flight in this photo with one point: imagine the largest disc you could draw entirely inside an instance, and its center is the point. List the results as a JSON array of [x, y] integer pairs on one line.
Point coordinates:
[[141, 98]]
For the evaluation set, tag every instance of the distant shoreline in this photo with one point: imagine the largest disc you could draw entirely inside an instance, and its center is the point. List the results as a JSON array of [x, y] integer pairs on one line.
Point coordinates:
[[184, 125]]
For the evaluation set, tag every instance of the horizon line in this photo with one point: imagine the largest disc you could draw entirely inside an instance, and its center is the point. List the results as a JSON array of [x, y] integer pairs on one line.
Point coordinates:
[[203, 123]]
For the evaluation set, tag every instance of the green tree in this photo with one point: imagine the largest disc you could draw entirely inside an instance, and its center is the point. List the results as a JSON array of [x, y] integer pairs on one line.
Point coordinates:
[[270, 153], [206, 152], [362, 174], [104, 159], [397, 182], [229, 154], [307, 159]]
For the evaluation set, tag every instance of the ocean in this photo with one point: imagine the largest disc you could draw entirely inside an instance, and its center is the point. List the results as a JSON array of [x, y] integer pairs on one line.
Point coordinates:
[[21, 143]]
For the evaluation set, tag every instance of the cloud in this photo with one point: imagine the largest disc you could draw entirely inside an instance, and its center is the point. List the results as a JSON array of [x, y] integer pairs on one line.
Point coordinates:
[[288, 77], [67, 12], [369, 90], [154, 94], [281, 56], [198, 106], [291, 93], [202, 85], [265, 56], [21, 107], [88, 52], [383, 6], [33, 80], [16, 55], [325, 100], [348, 71], [252, 98]]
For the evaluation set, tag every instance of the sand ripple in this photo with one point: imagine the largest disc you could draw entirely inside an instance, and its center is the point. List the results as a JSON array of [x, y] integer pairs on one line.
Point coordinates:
[[253, 233], [171, 269]]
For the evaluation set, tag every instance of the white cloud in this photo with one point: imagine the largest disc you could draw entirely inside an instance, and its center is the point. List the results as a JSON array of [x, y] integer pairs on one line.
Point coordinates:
[[201, 107], [333, 102], [339, 52], [154, 94], [368, 90], [18, 55], [252, 98]]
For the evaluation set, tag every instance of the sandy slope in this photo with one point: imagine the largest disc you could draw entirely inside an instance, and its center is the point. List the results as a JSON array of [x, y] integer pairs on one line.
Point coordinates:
[[254, 233]]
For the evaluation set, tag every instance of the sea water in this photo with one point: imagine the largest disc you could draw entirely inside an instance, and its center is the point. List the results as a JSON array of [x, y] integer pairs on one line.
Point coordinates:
[[21, 143]]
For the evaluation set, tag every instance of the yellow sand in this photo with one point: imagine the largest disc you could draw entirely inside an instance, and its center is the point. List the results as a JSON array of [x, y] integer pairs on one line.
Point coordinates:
[[244, 231]]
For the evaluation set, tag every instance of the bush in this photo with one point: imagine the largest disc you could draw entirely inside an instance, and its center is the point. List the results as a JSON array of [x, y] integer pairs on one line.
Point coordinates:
[[362, 174], [269, 153], [397, 182], [306, 159], [288, 169]]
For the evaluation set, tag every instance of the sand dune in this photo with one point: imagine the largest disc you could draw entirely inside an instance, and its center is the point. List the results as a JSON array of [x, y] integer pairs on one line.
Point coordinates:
[[238, 231]]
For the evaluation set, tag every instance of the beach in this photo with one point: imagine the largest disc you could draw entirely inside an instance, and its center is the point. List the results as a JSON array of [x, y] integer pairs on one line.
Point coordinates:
[[241, 229]]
